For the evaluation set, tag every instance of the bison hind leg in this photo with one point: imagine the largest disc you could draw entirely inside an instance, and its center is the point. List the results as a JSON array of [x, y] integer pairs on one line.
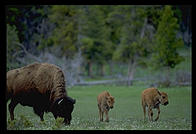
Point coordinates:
[[12, 105], [39, 112]]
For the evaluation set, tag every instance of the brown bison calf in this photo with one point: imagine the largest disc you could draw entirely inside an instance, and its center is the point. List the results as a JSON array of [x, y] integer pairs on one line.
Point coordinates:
[[151, 98], [41, 86], [105, 102]]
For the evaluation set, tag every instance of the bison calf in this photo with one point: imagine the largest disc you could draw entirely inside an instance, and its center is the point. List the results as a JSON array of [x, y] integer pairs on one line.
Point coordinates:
[[41, 86], [105, 102], [152, 98]]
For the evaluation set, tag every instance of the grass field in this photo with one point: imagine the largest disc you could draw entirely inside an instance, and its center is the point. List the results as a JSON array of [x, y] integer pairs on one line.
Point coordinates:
[[127, 113]]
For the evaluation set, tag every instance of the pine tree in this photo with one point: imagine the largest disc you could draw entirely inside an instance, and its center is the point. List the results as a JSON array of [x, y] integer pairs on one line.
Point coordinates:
[[12, 48], [166, 44], [96, 45], [166, 41], [65, 33], [133, 40]]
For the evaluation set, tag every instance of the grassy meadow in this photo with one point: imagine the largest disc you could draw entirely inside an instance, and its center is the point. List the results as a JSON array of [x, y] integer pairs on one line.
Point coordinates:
[[127, 113]]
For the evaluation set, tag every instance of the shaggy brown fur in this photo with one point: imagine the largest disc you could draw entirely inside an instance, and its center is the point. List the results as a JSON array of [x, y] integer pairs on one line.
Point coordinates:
[[39, 85], [105, 102], [151, 98]]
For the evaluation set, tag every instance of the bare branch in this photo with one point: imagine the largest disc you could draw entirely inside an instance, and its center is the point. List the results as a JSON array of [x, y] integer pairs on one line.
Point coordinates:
[[143, 28], [27, 53]]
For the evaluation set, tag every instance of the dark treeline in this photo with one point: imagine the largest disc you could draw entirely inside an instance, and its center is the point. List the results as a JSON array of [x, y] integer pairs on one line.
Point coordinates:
[[100, 35]]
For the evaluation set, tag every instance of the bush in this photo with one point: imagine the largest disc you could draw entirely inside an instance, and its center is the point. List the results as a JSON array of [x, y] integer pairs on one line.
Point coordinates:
[[183, 77], [162, 80], [20, 124], [12, 49], [58, 123], [70, 67]]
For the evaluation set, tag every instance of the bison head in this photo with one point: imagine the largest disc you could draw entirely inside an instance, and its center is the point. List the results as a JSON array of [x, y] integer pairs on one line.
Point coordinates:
[[110, 101], [63, 108], [164, 98]]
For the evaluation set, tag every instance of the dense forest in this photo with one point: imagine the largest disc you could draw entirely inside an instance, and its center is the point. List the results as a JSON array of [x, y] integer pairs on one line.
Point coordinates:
[[87, 41]]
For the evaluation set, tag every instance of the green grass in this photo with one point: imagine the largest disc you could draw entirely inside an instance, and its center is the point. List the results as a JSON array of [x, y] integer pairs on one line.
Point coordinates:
[[127, 113]]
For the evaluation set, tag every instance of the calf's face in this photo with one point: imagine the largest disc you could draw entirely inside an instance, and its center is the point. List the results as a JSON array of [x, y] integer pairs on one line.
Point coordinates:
[[164, 98], [64, 109], [110, 101]]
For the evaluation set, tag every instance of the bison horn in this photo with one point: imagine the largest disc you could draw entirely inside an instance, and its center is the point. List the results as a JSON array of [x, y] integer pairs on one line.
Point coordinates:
[[60, 101]]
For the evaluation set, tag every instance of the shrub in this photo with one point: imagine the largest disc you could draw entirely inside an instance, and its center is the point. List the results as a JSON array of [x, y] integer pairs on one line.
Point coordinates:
[[58, 123], [19, 124], [183, 77]]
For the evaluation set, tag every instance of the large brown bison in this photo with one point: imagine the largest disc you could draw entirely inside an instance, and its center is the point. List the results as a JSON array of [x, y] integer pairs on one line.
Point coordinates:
[[41, 86]]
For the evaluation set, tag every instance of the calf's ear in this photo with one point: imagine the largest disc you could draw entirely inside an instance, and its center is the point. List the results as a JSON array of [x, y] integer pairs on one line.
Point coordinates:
[[159, 93]]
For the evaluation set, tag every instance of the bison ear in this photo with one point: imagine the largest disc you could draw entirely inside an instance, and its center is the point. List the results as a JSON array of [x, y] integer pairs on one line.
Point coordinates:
[[69, 99], [60, 101]]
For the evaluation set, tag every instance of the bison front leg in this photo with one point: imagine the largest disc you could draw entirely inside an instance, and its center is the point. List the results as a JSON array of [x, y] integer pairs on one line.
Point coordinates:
[[55, 116], [158, 109], [39, 112], [107, 118], [12, 105], [41, 116]]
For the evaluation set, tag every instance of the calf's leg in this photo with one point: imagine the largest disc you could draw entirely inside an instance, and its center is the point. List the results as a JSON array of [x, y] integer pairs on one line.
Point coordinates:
[[144, 109], [150, 114], [107, 118], [158, 109], [100, 113]]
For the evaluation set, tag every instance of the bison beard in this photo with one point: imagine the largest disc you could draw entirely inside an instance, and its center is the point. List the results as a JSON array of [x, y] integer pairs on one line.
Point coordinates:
[[41, 86]]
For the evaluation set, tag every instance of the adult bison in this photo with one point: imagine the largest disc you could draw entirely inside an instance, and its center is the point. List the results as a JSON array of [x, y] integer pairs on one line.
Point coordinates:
[[41, 86]]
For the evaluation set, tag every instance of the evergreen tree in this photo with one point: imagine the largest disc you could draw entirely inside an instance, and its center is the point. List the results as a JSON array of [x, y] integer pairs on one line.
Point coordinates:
[[133, 40], [166, 42], [12, 48], [65, 33], [27, 20], [96, 44]]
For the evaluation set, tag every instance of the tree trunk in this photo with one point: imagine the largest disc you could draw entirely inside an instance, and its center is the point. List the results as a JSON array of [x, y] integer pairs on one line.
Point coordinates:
[[131, 71], [89, 68], [102, 73], [167, 79], [111, 67]]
